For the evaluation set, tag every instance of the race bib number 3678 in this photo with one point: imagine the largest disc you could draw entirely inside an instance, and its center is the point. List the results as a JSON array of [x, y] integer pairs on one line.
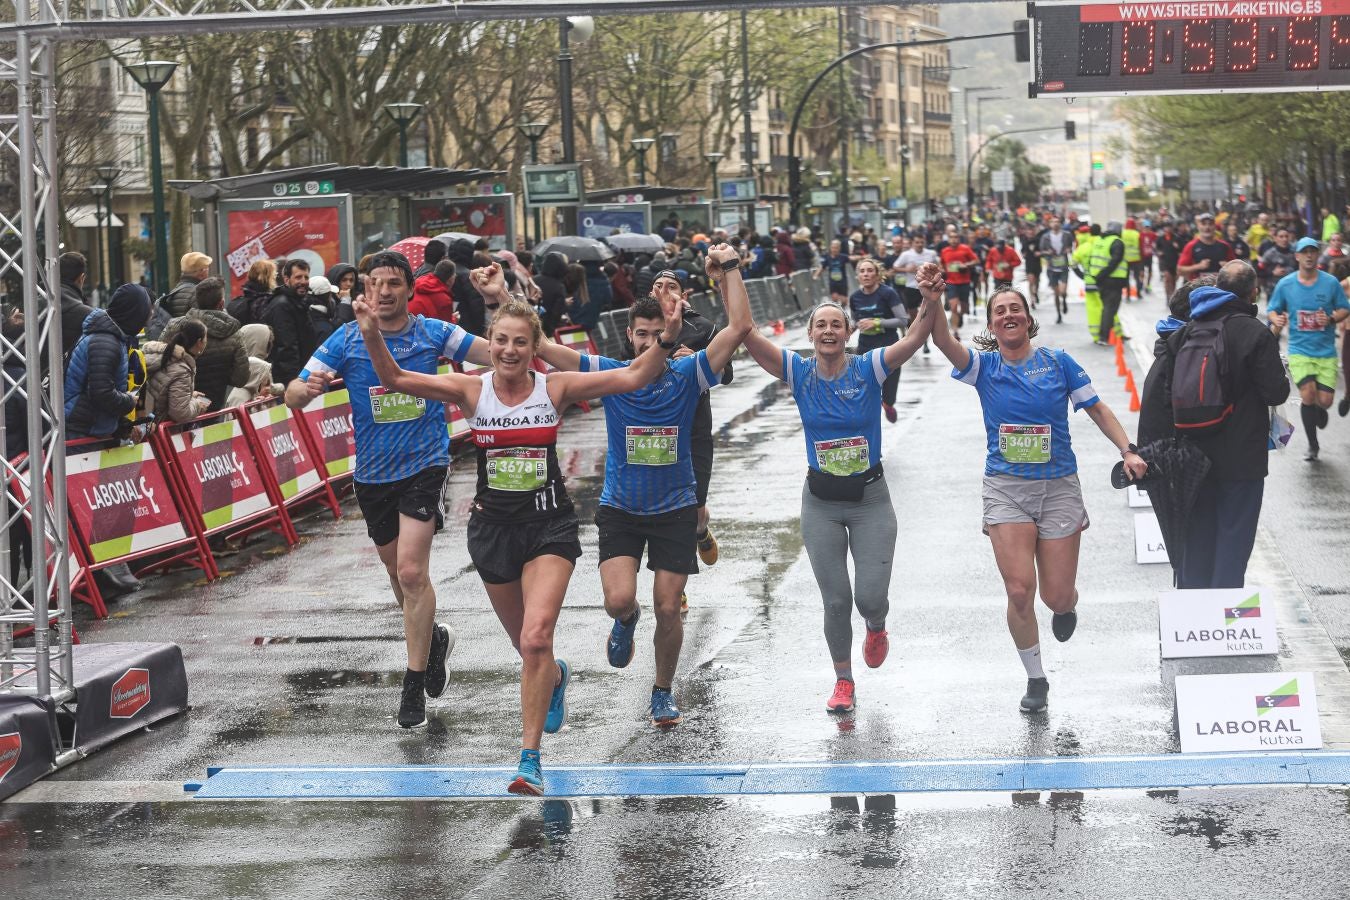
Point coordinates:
[[517, 468]]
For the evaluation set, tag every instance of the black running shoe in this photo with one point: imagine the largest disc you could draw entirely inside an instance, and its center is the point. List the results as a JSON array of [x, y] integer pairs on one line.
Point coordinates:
[[1323, 416], [412, 709], [442, 642], [1311, 455], [1343, 407], [1038, 689], [1063, 625]]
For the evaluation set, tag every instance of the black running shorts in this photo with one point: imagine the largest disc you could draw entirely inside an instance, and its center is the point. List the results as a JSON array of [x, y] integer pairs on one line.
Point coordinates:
[[420, 497], [500, 551], [670, 538]]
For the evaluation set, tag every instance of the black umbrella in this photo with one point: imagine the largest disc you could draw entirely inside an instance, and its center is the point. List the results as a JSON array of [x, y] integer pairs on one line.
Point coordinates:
[[1176, 468], [575, 248]]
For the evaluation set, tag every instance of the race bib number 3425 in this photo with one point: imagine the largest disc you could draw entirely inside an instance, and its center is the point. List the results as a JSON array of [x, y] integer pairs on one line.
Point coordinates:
[[842, 456]]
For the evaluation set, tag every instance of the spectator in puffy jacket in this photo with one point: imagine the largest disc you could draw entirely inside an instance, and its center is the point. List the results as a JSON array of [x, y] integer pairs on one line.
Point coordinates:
[[347, 282], [323, 307], [552, 291], [224, 364], [803, 254], [287, 314], [468, 302], [96, 379], [787, 258], [74, 270], [248, 307], [172, 366], [431, 293]]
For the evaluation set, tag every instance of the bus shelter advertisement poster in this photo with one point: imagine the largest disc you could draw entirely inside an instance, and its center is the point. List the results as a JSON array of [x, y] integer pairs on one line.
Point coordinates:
[[280, 229], [484, 218]]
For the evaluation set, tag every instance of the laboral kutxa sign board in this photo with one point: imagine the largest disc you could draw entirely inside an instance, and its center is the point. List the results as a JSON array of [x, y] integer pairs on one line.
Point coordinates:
[[1228, 622], [221, 473], [121, 503], [329, 418], [283, 448]]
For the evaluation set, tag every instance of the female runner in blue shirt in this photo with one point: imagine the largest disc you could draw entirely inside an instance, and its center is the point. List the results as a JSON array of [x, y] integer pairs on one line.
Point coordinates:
[[1033, 505], [845, 503]]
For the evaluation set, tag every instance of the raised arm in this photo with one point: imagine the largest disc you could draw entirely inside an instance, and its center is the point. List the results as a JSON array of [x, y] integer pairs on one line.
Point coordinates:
[[572, 387], [737, 301], [451, 388], [957, 354], [930, 283]]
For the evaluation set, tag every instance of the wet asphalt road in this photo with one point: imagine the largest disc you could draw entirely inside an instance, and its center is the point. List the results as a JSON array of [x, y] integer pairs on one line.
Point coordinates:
[[296, 658]]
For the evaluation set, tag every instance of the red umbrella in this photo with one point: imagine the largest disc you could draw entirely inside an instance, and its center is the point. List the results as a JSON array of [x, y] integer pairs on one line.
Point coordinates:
[[415, 248]]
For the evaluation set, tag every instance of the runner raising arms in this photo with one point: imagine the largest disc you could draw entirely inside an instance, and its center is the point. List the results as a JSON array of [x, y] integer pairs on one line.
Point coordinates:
[[650, 497], [1033, 506], [846, 506], [402, 457], [522, 530]]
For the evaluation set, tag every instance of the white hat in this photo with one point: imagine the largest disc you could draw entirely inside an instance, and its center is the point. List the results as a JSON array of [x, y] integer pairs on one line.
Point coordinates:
[[318, 285]]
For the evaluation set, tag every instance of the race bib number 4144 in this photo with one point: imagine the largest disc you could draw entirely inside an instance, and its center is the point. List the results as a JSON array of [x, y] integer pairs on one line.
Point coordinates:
[[388, 406]]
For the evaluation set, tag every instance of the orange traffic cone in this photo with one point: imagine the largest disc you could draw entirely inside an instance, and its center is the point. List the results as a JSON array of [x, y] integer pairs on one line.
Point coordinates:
[[1129, 381], [1120, 358], [1134, 397]]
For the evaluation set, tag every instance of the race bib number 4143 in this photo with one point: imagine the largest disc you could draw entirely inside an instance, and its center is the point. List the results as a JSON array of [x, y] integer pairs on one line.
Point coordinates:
[[1024, 443], [842, 456], [652, 446]]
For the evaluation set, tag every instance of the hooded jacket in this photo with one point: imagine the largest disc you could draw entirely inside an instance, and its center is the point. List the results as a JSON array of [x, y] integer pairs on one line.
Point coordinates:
[[787, 257], [73, 313], [335, 275], [248, 307], [257, 342], [224, 363], [96, 379], [294, 342], [1257, 381], [168, 392], [552, 294], [469, 307], [179, 300], [1155, 405], [431, 298]]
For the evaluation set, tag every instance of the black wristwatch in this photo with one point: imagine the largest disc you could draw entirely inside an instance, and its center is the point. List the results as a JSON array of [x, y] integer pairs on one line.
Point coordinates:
[[670, 346], [730, 264]]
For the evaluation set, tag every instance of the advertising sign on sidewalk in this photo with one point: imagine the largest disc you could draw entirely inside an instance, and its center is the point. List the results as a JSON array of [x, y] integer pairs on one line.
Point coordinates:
[[221, 473], [121, 502], [284, 450], [315, 229], [1254, 711], [329, 417], [1230, 622]]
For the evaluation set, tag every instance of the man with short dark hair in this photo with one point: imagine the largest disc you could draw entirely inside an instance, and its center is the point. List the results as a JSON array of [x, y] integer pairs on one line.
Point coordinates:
[[1206, 253], [402, 459], [287, 314], [74, 270], [224, 362], [433, 253], [1278, 261]]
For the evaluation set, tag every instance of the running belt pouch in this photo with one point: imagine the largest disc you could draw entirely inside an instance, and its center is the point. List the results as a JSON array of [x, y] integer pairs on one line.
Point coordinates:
[[825, 486], [1199, 385]]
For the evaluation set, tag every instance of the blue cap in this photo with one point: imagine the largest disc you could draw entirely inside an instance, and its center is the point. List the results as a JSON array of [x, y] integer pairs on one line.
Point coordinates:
[[1306, 243]]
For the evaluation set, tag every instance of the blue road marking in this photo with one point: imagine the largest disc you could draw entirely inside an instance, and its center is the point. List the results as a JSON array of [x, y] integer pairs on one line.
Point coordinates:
[[926, 776]]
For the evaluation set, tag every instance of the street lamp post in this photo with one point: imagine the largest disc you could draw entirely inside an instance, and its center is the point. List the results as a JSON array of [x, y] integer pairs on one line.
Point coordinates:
[[584, 26], [109, 173], [152, 75], [979, 126], [533, 131], [642, 145], [98, 190], [763, 169], [713, 158], [886, 191], [403, 115]]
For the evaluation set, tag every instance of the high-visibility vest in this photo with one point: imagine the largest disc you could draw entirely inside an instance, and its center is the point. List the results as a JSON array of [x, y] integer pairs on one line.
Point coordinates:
[[1101, 258], [1082, 254], [1131, 239]]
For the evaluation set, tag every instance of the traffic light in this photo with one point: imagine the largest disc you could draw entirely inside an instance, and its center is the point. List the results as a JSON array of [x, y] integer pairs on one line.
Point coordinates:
[[1070, 131], [1022, 40]]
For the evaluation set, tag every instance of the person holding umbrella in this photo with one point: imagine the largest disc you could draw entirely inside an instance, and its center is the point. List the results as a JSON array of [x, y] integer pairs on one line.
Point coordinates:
[[1033, 505]]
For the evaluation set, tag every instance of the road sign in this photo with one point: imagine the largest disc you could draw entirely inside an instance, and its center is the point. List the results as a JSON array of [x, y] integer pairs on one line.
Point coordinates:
[[1093, 48], [825, 197], [302, 188], [1228, 622], [1208, 184], [1001, 180]]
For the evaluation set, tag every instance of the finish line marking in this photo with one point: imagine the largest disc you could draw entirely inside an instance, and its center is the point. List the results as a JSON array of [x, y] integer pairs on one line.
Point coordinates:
[[759, 779]]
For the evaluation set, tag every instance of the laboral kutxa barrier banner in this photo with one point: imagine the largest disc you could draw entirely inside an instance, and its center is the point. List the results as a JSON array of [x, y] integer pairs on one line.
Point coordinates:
[[121, 503], [221, 473], [329, 419], [284, 450]]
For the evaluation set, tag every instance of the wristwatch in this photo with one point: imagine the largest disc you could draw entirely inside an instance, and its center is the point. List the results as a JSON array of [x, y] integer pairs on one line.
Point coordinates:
[[667, 346], [730, 264]]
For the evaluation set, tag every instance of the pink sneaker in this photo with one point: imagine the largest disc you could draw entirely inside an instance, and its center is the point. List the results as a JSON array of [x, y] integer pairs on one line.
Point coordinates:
[[841, 701], [875, 647]]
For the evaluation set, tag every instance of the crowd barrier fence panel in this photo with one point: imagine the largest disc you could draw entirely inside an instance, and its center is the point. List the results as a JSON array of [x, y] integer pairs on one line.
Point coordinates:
[[282, 443]]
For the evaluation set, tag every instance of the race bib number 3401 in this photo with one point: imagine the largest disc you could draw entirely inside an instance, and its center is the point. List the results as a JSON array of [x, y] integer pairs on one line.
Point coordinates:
[[1024, 443], [652, 446], [842, 456], [517, 468], [388, 406]]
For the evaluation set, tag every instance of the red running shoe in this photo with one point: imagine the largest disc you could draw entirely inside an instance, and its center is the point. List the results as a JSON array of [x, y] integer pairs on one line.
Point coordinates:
[[841, 701], [890, 412], [875, 647]]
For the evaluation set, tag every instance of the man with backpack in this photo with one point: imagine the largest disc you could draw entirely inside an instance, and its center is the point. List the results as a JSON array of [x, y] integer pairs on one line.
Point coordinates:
[[1224, 372], [1311, 303]]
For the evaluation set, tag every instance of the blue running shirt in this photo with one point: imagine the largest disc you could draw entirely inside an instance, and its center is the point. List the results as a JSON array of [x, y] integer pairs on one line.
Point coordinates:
[[649, 468], [1301, 302], [841, 417], [1026, 415], [397, 436]]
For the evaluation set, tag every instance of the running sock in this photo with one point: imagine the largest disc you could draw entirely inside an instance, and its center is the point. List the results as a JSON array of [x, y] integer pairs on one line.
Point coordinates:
[[844, 670], [1309, 414], [411, 677], [1031, 661], [657, 687], [1323, 417]]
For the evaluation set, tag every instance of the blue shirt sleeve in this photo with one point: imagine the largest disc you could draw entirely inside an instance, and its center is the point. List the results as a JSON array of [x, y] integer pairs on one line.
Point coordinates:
[[592, 363], [874, 361], [971, 373], [794, 366], [1081, 391], [1277, 303], [455, 341], [329, 357], [697, 367]]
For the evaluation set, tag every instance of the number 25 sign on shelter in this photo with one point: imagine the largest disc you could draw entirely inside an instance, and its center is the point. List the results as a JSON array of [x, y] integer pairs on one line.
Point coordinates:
[[1086, 48]]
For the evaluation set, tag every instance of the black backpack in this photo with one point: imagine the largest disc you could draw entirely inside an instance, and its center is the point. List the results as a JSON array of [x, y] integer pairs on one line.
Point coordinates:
[[1201, 387]]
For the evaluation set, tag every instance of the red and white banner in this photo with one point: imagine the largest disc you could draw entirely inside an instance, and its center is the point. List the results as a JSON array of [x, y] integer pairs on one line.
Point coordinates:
[[221, 473], [329, 420], [284, 450], [120, 501]]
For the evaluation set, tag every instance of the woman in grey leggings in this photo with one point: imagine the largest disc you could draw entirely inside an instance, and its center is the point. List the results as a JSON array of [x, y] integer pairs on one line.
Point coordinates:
[[845, 504]]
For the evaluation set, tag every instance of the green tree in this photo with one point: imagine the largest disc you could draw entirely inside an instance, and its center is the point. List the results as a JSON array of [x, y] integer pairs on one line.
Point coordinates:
[[1029, 178]]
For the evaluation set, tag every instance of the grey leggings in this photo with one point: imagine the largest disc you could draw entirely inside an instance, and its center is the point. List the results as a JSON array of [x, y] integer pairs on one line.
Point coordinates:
[[830, 530]]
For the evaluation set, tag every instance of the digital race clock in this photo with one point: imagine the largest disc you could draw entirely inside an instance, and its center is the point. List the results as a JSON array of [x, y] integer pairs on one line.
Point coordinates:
[[1083, 48]]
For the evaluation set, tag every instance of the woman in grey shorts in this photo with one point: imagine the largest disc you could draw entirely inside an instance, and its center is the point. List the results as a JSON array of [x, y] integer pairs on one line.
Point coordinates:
[[845, 503], [1033, 507]]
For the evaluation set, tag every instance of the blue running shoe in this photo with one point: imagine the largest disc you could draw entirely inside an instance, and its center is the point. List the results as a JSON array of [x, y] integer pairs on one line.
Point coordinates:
[[620, 646], [665, 714], [557, 704], [529, 779]]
